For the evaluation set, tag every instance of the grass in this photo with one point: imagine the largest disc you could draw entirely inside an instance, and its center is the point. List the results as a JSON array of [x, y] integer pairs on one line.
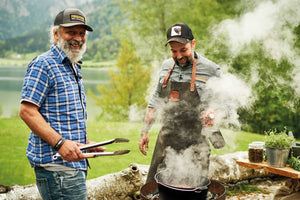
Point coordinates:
[[244, 189], [15, 168]]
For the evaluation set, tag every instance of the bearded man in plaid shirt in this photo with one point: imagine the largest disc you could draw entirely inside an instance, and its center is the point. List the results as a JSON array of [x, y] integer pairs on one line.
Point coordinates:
[[53, 106]]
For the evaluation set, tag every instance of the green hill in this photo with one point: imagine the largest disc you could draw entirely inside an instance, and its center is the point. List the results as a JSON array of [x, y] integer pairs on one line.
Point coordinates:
[[28, 32]]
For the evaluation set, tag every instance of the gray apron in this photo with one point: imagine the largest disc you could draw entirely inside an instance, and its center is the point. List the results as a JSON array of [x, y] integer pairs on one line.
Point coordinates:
[[181, 126]]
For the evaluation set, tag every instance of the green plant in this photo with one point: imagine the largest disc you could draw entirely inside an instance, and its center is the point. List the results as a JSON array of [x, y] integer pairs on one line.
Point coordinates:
[[294, 163], [278, 139], [244, 188]]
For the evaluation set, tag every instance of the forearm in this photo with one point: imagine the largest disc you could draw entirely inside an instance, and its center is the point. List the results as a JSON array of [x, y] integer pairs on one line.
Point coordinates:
[[35, 121], [148, 122], [149, 119], [30, 114]]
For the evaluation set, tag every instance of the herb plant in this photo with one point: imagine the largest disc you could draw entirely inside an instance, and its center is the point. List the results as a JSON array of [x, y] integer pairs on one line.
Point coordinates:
[[294, 163], [278, 139]]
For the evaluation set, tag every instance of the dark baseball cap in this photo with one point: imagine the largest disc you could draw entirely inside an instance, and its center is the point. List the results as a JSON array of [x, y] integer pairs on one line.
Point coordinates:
[[71, 17], [179, 32]]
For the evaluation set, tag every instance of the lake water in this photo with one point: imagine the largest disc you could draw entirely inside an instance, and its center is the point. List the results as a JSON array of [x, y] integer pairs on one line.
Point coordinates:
[[11, 81]]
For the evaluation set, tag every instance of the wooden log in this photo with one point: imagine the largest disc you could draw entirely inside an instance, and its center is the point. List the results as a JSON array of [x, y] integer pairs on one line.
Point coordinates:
[[224, 168], [123, 185]]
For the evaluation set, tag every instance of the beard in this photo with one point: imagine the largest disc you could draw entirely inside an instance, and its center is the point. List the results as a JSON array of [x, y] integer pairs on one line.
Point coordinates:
[[189, 60], [187, 63], [74, 55]]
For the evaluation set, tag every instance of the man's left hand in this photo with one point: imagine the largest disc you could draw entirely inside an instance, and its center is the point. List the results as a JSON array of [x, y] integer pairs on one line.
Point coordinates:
[[208, 117]]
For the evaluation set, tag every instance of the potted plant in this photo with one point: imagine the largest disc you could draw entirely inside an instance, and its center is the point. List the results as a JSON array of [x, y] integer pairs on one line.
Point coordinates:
[[278, 145]]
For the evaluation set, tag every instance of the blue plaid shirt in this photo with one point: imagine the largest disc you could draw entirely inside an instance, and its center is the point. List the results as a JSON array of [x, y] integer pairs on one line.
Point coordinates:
[[52, 84]]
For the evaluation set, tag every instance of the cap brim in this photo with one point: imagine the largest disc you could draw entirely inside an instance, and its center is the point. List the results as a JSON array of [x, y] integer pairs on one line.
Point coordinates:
[[87, 27], [180, 40]]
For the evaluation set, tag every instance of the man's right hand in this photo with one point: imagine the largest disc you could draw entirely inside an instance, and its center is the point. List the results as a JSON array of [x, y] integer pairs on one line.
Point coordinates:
[[70, 151], [143, 143]]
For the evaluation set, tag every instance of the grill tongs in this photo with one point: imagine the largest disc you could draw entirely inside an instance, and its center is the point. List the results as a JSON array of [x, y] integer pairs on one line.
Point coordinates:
[[96, 154]]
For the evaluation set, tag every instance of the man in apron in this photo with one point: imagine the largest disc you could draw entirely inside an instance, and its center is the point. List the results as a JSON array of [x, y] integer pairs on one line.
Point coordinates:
[[178, 97]]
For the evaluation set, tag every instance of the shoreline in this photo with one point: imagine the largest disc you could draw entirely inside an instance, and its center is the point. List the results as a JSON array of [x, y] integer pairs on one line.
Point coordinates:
[[19, 62]]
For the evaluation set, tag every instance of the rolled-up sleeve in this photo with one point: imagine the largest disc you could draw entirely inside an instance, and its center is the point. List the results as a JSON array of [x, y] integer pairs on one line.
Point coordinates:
[[155, 98]]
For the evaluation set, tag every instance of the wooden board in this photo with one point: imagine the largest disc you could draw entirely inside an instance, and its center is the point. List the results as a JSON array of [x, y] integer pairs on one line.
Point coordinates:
[[285, 171]]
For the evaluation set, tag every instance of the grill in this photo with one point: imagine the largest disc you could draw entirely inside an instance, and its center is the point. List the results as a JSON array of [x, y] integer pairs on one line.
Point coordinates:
[[150, 191]]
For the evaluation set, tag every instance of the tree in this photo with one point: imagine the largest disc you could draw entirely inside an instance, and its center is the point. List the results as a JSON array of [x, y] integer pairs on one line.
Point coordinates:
[[275, 103], [127, 85], [151, 19]]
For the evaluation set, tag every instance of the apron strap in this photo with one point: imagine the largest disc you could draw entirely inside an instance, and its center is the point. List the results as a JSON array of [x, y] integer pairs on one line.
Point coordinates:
[[193, 75], [168, 76]]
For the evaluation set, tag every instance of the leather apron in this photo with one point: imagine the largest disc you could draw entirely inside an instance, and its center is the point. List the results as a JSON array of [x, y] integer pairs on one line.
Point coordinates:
[[181, 125]]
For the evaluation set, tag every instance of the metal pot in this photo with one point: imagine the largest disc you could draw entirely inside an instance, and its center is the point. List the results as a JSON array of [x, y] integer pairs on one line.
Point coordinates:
[[216, 191], [169, 191]]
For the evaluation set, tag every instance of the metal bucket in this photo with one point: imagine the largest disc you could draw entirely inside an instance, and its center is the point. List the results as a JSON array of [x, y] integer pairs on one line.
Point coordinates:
[[277, 157]]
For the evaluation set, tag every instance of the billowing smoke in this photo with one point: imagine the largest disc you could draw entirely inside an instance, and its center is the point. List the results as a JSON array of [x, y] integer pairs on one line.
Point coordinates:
[[271, 23], [187, 172], [228, 94]]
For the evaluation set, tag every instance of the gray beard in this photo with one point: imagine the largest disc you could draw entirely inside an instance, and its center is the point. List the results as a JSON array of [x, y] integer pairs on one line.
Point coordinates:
[[73, 56]]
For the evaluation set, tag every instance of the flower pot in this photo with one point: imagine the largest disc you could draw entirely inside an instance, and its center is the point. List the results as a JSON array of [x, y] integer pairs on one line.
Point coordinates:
[[277, 157]]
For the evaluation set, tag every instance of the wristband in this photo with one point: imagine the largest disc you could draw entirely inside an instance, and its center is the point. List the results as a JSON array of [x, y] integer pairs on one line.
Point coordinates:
[[60, 142]]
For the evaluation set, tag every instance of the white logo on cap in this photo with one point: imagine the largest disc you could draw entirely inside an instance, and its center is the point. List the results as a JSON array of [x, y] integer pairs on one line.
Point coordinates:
[[176, 31]]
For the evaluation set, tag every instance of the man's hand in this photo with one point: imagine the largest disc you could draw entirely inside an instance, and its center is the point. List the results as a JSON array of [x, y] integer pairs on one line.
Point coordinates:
[[208, 117], [70, 151], [96, 149], [143, 143]]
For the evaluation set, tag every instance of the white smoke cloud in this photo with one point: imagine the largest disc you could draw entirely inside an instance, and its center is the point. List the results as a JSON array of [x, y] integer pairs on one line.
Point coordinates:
[[296, 77], [135, 113], [181, 171], [229, 94], [271, 23]]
